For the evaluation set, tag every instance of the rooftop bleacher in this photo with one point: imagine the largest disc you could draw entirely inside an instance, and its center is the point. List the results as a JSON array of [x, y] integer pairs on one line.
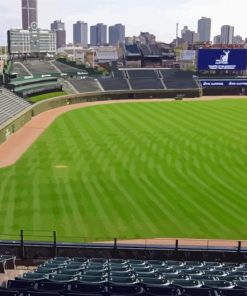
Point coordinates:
[[155, 50], [101, 276], [106, 54], [10, 105], [145, 50], [132, 50]]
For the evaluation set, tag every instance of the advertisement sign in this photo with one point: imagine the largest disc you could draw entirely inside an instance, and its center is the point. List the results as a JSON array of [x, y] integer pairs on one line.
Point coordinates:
[[187, 55], [207, 83], [222, 59]]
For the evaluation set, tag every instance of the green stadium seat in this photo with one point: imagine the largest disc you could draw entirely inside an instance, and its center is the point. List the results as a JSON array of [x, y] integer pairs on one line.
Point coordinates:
[[52, 286], [143, 269], [217, 284], [201, 277], [20, 285], [117, 261], [86, 288], [173, 263], [232, 292], [46, 270], [151, 290], [74, 272], [62, 277], [132, 290], [136, 262], [96, 279], [149, 274], [194, 263], [170, 276], [121, 273], [9, 292], [80, 259], [119, 268], [38, 293], [168, 271], [154, 281], [123, 280], [197, 292], [186, 283], [95, 272], [191, 271], [34, 276]]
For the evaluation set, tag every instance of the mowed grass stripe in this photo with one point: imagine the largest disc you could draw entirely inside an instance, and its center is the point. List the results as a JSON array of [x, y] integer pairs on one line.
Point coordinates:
[[135, 170]]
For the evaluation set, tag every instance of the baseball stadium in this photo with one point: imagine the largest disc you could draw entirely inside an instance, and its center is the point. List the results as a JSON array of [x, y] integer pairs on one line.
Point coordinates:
[[131, 183]]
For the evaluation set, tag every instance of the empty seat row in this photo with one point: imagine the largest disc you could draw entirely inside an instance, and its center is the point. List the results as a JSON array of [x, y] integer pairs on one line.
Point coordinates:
[[175, 288], [10, 105]]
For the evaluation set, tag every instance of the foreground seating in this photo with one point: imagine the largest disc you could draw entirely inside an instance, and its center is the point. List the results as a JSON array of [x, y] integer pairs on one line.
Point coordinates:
[[100, 276]]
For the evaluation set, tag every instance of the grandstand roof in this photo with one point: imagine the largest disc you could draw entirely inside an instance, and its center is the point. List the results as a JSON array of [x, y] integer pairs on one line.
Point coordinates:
[[21, 89], [20, 82]]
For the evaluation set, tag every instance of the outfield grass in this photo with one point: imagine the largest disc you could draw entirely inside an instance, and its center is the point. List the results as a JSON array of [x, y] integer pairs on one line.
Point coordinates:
[[139, 170], [35, 99]]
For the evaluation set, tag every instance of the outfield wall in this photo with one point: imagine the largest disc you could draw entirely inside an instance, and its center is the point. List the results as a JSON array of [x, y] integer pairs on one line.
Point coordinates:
[[15, 123]]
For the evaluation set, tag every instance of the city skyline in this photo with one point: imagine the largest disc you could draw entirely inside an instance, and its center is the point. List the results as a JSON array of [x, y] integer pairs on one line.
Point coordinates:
[[159, 17]]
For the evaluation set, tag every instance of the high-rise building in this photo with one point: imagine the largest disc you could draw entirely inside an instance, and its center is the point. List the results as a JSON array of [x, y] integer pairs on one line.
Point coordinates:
[[189, 36], [227, 33], [116, 34], [238, 39], [148, 38], [217, 39], [29, 14], [59, 27], [80, 33], [31, 41], [98, 34], [204, 29]]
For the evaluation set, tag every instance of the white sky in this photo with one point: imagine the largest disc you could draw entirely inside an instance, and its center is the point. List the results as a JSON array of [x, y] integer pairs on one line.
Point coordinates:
[[156, 16]]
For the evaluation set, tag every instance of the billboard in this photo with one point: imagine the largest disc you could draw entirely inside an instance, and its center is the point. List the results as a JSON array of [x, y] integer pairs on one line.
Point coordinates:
[[187, 55], [213, 83], [222, 59]]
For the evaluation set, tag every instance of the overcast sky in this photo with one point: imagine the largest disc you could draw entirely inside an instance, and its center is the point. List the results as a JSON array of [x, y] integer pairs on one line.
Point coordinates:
[[156, 16]]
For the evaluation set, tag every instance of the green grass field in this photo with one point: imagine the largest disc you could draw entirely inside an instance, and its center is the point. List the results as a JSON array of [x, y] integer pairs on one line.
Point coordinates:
[[137, 170], [35, 99]]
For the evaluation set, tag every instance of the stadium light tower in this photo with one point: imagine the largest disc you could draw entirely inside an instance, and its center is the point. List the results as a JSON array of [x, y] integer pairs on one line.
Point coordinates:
[[177, 24]]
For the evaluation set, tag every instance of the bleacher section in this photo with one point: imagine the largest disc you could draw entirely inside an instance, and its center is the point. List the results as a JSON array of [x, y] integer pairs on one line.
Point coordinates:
[[145, 50], [146, 73], [101, 276], [85, 85], [114, 84], [132, 50], [10, 105], [144, 79], [37, 67], [155, 50], [146, 83], [19, 69], [132, 56], [176, 79], [66, 68]]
